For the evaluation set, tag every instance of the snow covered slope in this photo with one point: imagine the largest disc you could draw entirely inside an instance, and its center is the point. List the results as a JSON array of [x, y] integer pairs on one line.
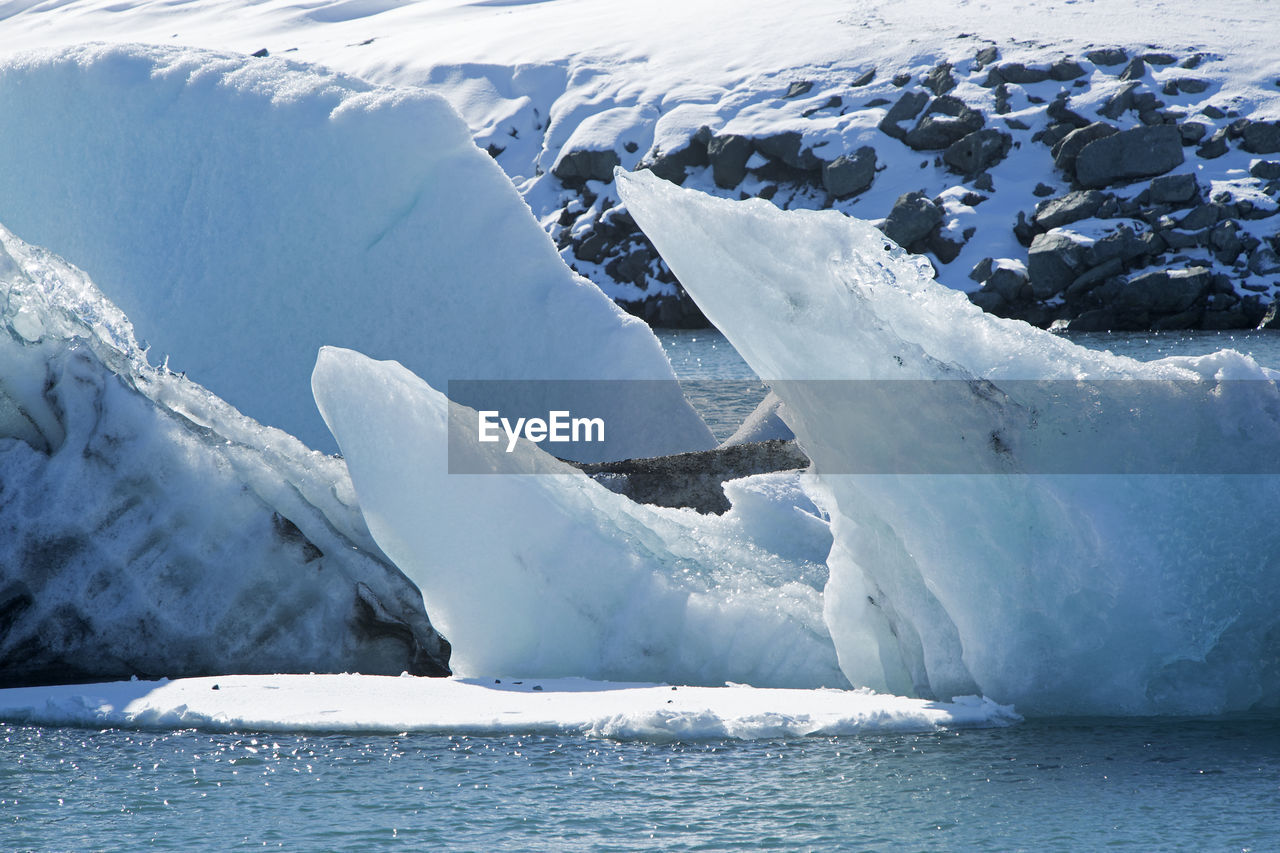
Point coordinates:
[[244, 212], [147, 528], [1106, 593]]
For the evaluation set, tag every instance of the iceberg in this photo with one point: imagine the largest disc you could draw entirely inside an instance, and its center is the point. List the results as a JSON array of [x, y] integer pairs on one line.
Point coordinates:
[[149, 529], [243, 211], [1022, 552], [534, 569]]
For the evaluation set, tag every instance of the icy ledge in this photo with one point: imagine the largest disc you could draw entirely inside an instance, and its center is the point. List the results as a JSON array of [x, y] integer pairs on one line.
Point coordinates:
[[146, 527], [350, 703], [1070, 594]]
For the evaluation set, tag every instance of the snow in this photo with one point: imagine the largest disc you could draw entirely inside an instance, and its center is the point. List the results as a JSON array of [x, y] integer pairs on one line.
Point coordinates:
[[355, 703], [147, 527], [535, 568], [1071, 594], [244, 212]]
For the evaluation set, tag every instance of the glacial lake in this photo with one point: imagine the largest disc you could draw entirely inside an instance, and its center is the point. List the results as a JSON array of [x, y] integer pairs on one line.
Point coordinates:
[[1074, 784]]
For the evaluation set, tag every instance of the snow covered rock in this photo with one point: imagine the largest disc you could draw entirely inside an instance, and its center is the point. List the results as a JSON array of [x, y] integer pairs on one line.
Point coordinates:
[[147, 528], [1074, 592], [245, 211]]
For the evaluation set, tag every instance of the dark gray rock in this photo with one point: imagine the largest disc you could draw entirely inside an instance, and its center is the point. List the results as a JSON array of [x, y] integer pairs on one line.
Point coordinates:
[[1060, 112], [1225, 241], [1264, 261], [850, 174], [1135, 70], [1065, 69], [982, 270], [695, 480], [1192, 132], [1016, 72], [1212, 112], [798, 88], [1266, 170], [913, 218], [1138, 153], [978, 151], [1157, 58], [1106, 56], [577, 167], [1177, 240], [1215, 147], [1092, 278], [592, 248], [1191, 85], [1174, 189], [988, 300], [1261, 137], [1071, 207], [901, 79], [673, 166], [1053, 263], [1069, 147], [1201, 216], [864, 78], [1009, 282], [1119, 103], [939, 79], [946, 121], [787, 148], [1164, 291], [907, 108], [728, 155], [985, 57]]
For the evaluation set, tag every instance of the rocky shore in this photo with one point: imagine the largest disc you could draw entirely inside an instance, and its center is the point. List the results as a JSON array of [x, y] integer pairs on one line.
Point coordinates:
[[1117, 189]]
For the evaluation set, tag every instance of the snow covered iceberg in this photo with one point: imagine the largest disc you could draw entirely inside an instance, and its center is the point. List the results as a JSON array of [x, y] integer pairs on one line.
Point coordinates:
[[147, 528], [535, 569], [244, 211], [1070, 593]]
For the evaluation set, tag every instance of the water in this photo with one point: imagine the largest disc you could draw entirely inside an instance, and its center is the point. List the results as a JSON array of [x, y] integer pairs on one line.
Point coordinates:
[[1043, 785], [1064, 786]]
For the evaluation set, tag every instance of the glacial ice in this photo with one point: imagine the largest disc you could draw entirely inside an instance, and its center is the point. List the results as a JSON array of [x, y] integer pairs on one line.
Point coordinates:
[[1089, 593], [147, 528], [536, 569], [244, 211]]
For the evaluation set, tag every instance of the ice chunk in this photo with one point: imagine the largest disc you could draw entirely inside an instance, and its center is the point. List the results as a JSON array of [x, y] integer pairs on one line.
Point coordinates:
[[148, 528], [1068, 594], [244, 211], [540, 570]]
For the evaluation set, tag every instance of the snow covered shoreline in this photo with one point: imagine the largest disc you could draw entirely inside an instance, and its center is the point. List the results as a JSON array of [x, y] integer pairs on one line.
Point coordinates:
[[382, 704]]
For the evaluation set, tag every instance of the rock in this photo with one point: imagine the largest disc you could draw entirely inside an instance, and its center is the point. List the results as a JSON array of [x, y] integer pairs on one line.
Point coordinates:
[[985, 57], [1053, 263], [1071, 207], [939, 80], [728, 155], [1266, 170], [1215, 147], [1042, 190], [1065, 69], [1059, 112], [1090, 279], [591, 249], [946, 121], [1159, 58], [1264, 261], [1002, 99], [787, 148], [1137, 153], [1174, 189], [1122, 101], [1191, 85], [1164, 291], [1192, 132], [260, 53], [798, 88], [1009, 282], [906, 109], [914, 217], [848, 175], [901, 79], [1106, 56], [695, 479], [1212, 112], [988, 300], [1135, 70], [1016, 72], [978, 151], [1261, 137], [863, 79], [834, 102], [673, 165], [1069, 147], [983, 182], [1201, 216], [575, 168], [982, 270], [1226, 243], [1177, 240]]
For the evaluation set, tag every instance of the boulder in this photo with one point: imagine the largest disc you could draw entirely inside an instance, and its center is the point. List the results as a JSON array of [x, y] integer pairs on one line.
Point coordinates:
[[1123, 100], [1261, 137], [948, 120], [907, 108], [1071, 207], [575, 168], [1266, 170], [1009, 281], [1164, 291], [939, 80], [1215, 147], [913, 218], [673, 165], [848, 175], [1069, 147], [864, 78], [1065, 69], [1106, 56], [1174, 189], [1016, 72], [1054, 261], [1192, 132], [1138, 153], [787, 147], [1135, 70], [978, 151], [728, 155], [798, 88]]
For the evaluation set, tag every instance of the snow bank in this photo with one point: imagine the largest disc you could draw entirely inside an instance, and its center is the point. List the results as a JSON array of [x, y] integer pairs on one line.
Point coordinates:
[[291, 703], [146, 527], [243, 212], [1073, 594], [537, 569]]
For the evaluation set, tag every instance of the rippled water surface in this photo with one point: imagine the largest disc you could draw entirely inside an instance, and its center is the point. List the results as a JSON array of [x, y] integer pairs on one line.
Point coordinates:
[[1082, 785]]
